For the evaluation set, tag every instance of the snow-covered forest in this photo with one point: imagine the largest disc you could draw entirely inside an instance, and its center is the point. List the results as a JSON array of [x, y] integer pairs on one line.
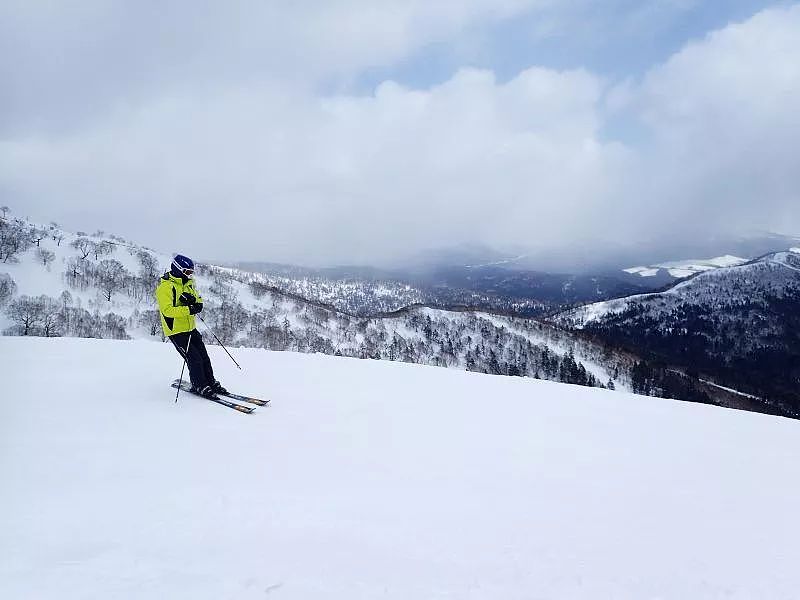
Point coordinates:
[[736, 324]]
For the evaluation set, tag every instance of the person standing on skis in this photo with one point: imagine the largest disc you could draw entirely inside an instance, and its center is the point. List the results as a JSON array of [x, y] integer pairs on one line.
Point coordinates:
[[178, 303]]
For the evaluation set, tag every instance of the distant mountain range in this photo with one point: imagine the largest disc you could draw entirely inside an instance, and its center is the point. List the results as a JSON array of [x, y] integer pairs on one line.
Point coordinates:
[[493, 286], [581, 258], [530, 284]]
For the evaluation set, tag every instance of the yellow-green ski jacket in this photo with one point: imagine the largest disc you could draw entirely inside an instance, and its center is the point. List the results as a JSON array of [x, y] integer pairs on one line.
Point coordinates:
[[175, 317]]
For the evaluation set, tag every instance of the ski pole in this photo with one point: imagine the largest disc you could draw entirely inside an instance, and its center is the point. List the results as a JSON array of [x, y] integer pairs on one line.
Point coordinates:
[[183, 366], [219, 342]]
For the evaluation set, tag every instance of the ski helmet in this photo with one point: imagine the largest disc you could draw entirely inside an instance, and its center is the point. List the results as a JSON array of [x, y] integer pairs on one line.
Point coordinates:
[[182, 266]]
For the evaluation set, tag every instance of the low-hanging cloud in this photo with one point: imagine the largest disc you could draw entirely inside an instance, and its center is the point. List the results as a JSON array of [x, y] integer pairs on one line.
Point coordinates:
[[270, 169]]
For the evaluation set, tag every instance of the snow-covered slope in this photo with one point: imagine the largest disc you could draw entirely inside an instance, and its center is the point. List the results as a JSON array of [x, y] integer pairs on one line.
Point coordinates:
[[369, 479], [33, 277], [771, 274], [244, 308], [686, 268], [738, 325]]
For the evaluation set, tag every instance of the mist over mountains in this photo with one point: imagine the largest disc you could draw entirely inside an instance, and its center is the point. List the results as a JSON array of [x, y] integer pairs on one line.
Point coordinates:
[[570, 258], [535, 284]]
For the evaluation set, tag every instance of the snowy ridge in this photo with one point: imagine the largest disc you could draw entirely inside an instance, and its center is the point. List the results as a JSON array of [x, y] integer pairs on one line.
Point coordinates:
[[733, 329], [369, 479], [767, 275], [497, 263], [686, 268], [355, 297]]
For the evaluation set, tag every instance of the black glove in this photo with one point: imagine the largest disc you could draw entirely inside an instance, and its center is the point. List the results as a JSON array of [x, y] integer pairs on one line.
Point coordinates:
[[187, 299], [195, 308]]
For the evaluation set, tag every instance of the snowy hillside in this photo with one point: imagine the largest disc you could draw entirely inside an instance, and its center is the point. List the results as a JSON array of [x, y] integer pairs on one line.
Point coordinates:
[[737, 324], [368, 479], [102, 286], [771, 274], [50, 264], [357, 296]]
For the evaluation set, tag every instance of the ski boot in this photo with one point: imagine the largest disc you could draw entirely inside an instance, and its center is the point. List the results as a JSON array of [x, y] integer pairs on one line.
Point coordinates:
[[206, 391]]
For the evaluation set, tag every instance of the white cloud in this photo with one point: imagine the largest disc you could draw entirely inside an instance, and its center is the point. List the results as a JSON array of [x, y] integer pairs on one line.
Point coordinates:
[[65, 64], [341, 177], [724, 123], [269, 169]]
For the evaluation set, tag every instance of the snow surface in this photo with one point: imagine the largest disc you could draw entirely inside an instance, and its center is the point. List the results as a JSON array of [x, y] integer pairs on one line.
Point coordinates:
[[685, 268], [643, 271], [373, 479]]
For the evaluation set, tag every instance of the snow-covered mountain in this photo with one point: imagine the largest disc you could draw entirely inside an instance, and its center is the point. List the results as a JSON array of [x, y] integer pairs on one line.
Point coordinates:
[[495, 287], [367, 479], [738, 324]]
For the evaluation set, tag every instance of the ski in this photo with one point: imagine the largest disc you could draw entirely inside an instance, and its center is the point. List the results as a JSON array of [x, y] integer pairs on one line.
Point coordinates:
[[232, 396], [248, 399], [244, 409]]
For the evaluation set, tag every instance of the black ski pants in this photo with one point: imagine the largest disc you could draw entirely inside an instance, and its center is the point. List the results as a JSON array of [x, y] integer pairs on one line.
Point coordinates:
[[200, 371]]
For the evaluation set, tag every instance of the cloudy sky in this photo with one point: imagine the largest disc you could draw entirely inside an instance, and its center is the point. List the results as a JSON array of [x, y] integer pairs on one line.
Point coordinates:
[[328, 131]]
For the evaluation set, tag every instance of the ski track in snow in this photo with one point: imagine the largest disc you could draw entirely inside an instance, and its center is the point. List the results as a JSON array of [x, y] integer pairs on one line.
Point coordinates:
[[369, 479], [731, 390]]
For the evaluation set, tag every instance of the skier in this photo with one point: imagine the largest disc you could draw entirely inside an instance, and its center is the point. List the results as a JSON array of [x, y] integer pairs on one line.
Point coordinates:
[[178, 303]]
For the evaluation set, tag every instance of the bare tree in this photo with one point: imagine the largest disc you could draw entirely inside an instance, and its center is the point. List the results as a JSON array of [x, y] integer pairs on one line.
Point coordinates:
[[111, 275], [73, 273], [7, 288], [13, 239], [148, 265], [113, 326], [45, 256], [5, 209], [104, 248], [66, 302], [26, 313], [37, 235], [229, 318], [50, 316], [151, 319], [83, 245]]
